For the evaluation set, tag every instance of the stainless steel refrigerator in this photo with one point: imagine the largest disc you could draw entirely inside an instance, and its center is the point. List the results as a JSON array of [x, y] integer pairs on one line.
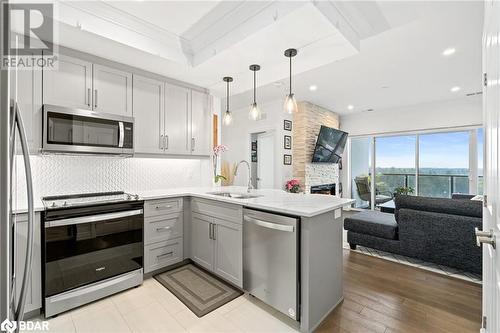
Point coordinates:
[[12, 142]]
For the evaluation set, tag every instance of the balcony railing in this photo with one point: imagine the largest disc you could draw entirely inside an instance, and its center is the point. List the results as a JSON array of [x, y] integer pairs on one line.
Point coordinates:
[[435, 185]]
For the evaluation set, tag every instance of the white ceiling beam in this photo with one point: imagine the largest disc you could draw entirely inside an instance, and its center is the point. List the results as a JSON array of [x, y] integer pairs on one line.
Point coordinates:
[[232, 22], [330, 10]]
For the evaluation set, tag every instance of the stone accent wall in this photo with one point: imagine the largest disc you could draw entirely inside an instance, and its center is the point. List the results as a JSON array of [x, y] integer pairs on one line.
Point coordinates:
[[306, 125]]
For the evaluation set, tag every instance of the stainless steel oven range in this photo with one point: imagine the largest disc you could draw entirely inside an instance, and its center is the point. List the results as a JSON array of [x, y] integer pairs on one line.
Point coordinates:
[[92, 248]]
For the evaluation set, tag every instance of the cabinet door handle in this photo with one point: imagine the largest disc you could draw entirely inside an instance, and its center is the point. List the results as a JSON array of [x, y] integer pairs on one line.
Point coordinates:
[[95, 98], [214, 231], [166, 141], [193, 143], [164, 207], [89, 97], [163, 229], [165, 254], [161, 143], [210, 231]]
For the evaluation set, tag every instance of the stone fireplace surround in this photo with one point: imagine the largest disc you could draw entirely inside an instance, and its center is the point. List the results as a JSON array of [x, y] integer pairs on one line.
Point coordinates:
[[306, 125]]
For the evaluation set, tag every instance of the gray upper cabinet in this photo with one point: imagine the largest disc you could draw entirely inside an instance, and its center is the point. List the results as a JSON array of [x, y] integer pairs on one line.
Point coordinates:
[[148, 112], [177, 120], [70, 84], [112, 90], [201, 117], [34, 293], [228, 251]]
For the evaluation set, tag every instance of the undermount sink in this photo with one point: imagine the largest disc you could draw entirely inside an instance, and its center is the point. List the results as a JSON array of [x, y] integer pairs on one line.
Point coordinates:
[[235, 195]]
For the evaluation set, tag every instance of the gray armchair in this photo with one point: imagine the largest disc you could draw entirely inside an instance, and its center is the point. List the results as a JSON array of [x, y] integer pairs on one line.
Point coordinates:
[[365, 194]]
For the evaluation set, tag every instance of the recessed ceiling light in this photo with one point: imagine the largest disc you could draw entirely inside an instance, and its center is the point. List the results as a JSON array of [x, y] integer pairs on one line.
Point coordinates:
[[455, 89], [449, 51], [350, 107], [313, 87], [385, 87]]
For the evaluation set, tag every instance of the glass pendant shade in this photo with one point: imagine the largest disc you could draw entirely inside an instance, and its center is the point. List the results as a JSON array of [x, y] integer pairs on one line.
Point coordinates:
[[290, 105], [254, 113], [228, 118]]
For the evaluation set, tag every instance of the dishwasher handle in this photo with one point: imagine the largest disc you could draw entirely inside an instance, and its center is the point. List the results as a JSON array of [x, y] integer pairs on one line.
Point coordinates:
[[270, 225]]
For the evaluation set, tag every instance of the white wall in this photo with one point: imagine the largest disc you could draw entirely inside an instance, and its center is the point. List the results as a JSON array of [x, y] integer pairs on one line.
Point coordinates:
[[237, 137], [460, 112]]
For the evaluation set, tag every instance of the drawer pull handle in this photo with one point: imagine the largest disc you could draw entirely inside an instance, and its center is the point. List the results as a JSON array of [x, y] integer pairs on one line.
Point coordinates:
[[164, 207], [163, 228], [100, 269], [165, 254]]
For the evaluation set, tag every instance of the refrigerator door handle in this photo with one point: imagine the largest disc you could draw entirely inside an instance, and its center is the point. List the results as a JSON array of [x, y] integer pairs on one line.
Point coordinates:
[[19, 311]]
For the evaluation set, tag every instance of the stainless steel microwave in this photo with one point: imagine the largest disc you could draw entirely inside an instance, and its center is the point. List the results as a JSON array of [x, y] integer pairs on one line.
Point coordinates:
[[67, 130]]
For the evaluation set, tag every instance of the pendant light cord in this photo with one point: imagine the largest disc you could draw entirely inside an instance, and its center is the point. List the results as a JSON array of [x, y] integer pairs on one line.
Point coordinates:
[[227, 97], [254, 88], [290, 75]]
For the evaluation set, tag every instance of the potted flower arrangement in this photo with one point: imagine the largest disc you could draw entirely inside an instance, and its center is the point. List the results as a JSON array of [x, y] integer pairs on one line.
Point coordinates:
[[293, 186], [403, 190], [216, 153]]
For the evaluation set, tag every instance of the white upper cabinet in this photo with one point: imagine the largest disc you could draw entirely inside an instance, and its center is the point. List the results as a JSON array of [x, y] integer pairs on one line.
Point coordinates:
[[26, 91], [70, 84], [112, 90], [201, 127], [148, 111], [177, 120]]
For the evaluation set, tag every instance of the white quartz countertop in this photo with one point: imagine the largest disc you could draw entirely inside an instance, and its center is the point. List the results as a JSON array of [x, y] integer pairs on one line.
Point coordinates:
[[306, 205]]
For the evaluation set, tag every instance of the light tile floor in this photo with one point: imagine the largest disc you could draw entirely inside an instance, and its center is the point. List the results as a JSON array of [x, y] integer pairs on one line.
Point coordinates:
[[152, 308]]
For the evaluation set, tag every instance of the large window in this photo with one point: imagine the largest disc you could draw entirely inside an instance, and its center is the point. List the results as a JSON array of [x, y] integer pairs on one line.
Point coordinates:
[[443, 164], [426, 164]]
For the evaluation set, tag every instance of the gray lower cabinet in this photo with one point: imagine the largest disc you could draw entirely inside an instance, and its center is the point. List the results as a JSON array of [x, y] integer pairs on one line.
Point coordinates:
[[163, 233], [34, 294], [217, 238]]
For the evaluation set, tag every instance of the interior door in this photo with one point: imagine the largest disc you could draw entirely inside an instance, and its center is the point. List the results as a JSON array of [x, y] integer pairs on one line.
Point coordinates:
[[265, 160], [148, 113], [491, 211], [112, 90], [70, 85], [201, 121], [202, 245], [177, 120]]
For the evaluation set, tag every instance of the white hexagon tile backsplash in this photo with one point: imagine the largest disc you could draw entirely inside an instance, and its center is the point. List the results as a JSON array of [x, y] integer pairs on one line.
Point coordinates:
[[65, 174]]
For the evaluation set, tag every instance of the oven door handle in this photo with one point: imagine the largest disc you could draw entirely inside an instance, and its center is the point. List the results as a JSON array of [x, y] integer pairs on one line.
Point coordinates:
[[121, 136], [92, 218]]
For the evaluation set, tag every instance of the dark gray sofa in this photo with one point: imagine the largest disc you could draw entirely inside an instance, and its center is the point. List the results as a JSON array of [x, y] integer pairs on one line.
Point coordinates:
[[431, 229]]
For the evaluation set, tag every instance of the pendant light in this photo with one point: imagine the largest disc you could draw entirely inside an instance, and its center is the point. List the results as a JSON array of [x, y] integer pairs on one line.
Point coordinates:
[[228, 116], [290, 105], [254, 113]]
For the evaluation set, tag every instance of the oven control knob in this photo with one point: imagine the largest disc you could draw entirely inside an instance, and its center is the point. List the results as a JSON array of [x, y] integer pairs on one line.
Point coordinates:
[[136, 196], [65, 203], [129, 197], [53, 204]]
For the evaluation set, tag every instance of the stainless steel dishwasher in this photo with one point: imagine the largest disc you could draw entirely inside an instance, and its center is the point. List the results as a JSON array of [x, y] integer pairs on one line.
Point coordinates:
[[271, 270]]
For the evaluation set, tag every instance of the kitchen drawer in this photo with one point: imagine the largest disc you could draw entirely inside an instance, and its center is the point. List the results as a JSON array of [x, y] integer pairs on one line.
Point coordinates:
[[163, 227], [225, 211], [162, 206], [162, 254]]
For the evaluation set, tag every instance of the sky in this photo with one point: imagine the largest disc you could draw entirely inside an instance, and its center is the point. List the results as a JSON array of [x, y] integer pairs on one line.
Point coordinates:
[[439, 150]]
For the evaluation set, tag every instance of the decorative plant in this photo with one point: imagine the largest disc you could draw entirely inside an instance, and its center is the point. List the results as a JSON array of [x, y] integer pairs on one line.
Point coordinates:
[[293, 186], [217, 152], [404, 190]]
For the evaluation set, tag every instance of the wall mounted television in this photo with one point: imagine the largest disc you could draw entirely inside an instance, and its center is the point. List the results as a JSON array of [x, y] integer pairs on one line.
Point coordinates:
[[329, 146]]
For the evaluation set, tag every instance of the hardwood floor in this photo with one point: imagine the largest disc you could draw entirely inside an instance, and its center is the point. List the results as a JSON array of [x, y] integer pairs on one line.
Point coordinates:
[[385, 297]]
